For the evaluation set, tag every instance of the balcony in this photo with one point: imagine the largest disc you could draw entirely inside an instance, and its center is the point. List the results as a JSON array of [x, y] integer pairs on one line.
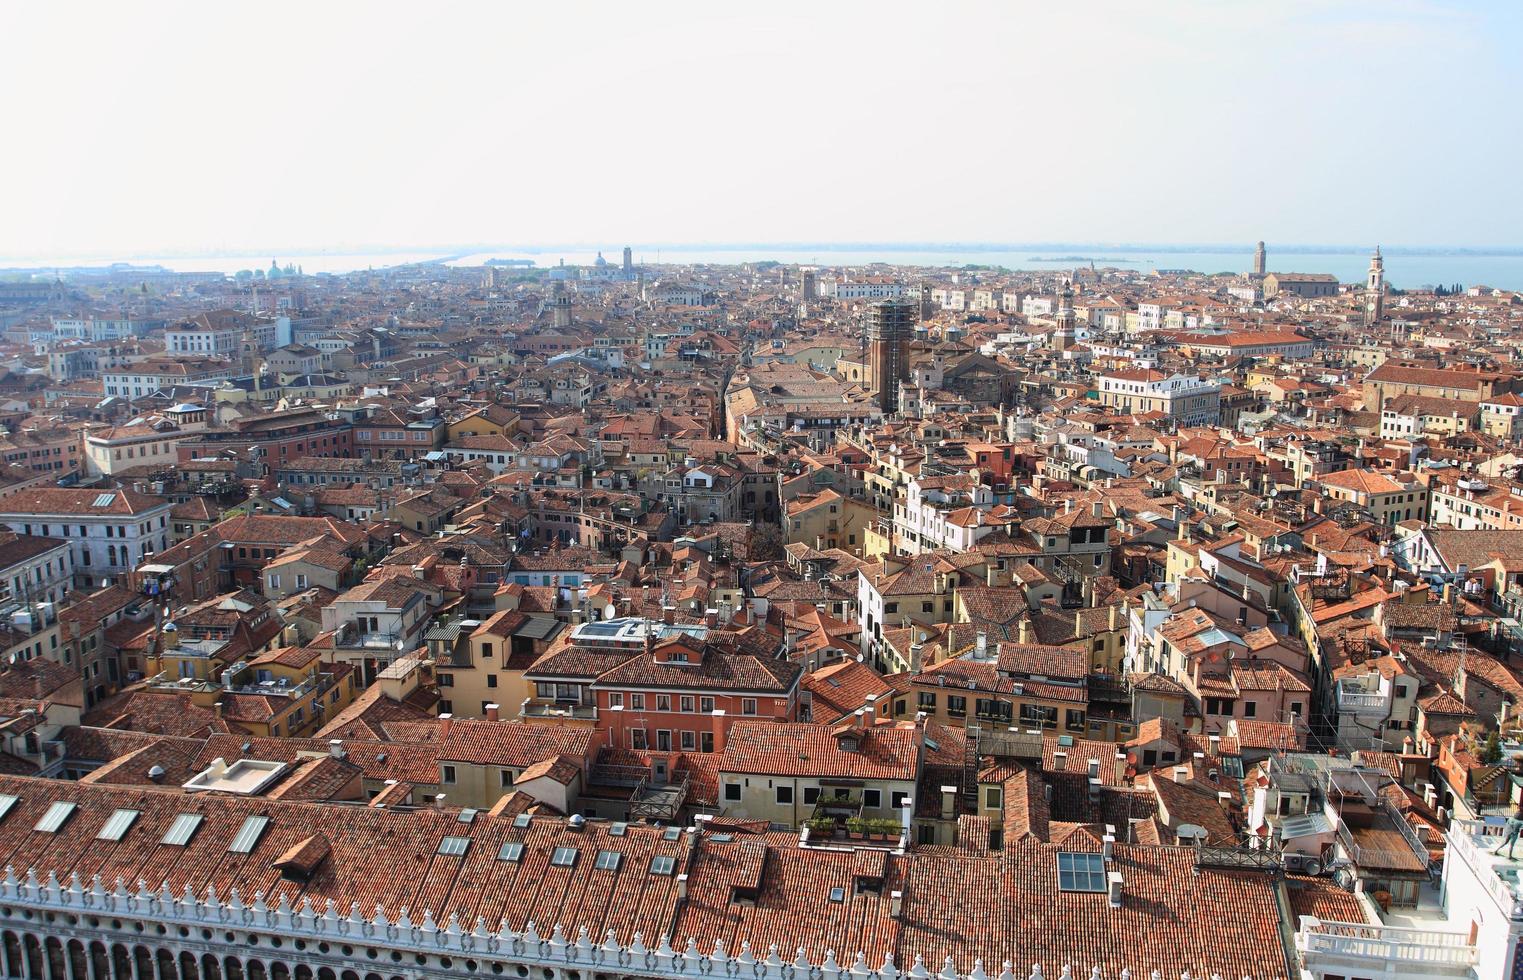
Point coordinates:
[[562, 711], [1359, 703], [1501, 876], [1427, 952]]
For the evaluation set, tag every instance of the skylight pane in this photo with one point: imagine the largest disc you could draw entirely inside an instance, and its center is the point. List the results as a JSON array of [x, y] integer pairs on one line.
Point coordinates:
[[522, 820], [662, 865], [467, 815], [249, 834], [58, 814], [183, 829], [609, 860], [7, 803], [563, 857], [671, 833], [454, 846], [618, 829], [117, 825], [511, 851], [1081, 872]]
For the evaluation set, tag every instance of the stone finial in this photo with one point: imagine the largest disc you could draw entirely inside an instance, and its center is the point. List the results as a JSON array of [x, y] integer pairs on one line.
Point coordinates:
[[918, 970], [1008, 972], [978, 971]]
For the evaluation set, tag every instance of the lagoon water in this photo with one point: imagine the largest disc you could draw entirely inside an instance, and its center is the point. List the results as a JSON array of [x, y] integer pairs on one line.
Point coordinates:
[[1404, 267]]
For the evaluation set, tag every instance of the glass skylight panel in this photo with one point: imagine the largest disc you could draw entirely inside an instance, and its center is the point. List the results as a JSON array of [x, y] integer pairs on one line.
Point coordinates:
[[662, 865], [467, 815], [522, 820], [838, 894], [1081, 872], [183, 829], [248, 835], [454, 846], [671, 833], [608, 860], [117, 825], [563, 857], [7, 803], [58, 814], [510, 851], [104, 499], [721, 838], [618, 830]]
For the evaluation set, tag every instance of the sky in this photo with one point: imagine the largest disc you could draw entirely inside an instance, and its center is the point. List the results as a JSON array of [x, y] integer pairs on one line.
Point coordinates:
[[165, 128]]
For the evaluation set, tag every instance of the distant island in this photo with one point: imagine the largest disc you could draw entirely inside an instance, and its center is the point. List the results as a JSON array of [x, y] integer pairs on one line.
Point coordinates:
[[1081, 258], [515, 263]]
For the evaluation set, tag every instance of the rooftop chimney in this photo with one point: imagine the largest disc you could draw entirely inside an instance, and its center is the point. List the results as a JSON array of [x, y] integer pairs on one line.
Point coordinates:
[[1181, 774], [446, 720], [1059, 761], [895, 903], [493, 712], [336, 748], [1097, 509], [1113, 880], [1108, 844], [1121, 768]]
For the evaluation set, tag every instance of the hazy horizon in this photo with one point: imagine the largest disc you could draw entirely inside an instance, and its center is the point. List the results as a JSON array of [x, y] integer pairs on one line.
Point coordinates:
[[192, 128]]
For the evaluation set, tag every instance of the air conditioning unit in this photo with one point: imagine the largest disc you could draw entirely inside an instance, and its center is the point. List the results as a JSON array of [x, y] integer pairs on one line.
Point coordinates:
[[1306, 864]]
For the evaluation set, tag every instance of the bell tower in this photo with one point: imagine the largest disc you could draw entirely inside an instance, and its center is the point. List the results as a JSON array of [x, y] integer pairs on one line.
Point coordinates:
[[1375, 290]]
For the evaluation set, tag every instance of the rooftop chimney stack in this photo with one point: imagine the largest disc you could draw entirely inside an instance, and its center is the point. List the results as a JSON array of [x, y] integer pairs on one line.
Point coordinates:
[[336, 748], [1113, 880], [446, 721], [1059, 761], [493, 712]]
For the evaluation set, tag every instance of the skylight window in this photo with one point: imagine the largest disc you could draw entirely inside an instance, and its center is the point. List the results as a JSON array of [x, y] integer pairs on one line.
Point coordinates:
[[522, 820], [563, 857], [721, 838], [183, 829], [7, 803], [249, 834], [608, 861], [618, 829], [1081, 872], [838, 894], [467, 815], [58, 814], [671, 833], [104, 500], [662, 865], [454, 846], [510, 851], [117, 825]]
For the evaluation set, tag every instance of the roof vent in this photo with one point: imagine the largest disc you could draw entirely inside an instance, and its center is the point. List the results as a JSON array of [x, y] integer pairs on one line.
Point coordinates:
[[576, 821], [156, 774]]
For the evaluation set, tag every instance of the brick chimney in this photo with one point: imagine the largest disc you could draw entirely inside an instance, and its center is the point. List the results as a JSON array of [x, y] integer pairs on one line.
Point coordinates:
[[446, 720], [493, 712]]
